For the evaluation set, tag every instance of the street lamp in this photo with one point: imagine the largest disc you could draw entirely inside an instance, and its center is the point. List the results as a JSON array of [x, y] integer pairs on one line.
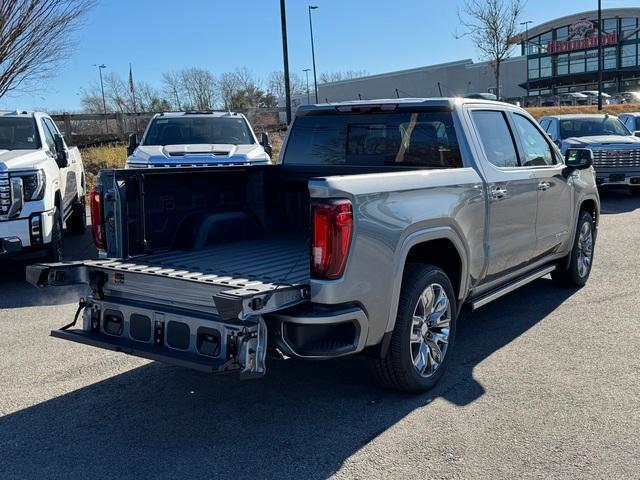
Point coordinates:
[[526, 49], [306, 72], [104, 103], [313, 53], [600, 55]]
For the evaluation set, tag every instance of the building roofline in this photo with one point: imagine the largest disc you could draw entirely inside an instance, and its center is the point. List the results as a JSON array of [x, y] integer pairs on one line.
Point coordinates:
[[590, 14], [398, 72]]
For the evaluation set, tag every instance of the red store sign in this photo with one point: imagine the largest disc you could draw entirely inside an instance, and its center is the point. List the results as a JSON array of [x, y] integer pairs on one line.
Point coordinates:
[[559, 46]]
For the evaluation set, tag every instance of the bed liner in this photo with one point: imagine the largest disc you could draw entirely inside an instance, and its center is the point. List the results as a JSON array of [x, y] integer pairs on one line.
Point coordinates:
[[233, 280]]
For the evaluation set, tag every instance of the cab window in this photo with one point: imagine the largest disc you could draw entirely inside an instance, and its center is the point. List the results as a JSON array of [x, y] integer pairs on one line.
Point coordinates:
[[495, 137], [48, 137], [536, 150]]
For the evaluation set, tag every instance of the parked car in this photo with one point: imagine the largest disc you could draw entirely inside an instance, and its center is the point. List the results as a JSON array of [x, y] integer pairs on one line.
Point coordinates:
[[631, 121], [378, 224], [480, 96], [626, 97], [187, 139], [593, 96], [572, 98], [616, 151], [42, 186]]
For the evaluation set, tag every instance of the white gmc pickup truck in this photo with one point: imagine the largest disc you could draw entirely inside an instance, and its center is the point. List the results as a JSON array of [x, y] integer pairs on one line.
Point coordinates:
[[198, 139], [42, 186]]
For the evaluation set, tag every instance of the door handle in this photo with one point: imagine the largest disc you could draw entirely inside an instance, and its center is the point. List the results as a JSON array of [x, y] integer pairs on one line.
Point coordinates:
[[542, 186], [498, 192]]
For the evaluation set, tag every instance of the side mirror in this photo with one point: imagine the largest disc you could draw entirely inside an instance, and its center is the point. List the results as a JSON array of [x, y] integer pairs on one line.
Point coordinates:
[[578, 158], [264, 141], [61, 151], [636, 133], [134, 141]]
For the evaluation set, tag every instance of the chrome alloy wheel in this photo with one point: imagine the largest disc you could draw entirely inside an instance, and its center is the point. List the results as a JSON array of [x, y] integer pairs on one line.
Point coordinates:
[[430, 329], [585, 249]]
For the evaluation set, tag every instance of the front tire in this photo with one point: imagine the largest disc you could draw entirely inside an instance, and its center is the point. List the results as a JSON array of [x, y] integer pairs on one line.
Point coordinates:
[[55, 249], [77, 221], [576, 272], [424, 333]]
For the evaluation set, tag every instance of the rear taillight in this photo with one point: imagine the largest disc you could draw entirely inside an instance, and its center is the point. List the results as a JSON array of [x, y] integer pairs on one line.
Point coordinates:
[[332, 226], [97, 227]]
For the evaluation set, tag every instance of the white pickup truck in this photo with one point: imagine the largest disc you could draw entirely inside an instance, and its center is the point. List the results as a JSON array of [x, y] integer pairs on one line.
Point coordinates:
[[42, 186], [196, 139]]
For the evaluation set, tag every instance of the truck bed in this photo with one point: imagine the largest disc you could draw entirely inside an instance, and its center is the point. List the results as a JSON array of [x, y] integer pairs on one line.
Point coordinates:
[[270, 260], [273, 270]]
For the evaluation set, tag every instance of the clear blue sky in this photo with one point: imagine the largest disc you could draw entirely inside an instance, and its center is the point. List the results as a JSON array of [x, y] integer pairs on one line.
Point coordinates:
[[160, 35]]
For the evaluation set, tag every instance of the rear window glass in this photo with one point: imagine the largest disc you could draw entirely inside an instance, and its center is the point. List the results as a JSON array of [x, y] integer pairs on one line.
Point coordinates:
[[425, 139]]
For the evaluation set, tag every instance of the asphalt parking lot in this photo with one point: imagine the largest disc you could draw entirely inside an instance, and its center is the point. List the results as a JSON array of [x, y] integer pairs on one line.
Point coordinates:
[[544, 385]]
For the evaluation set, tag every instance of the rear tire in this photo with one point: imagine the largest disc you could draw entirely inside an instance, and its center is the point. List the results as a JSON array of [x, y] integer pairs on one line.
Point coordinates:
[[635, 191], [424, 333], [55, 249], [77, 221], [576, 272]]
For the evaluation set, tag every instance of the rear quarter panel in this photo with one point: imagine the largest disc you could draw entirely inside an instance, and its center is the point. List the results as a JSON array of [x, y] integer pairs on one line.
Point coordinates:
[[392, 212]]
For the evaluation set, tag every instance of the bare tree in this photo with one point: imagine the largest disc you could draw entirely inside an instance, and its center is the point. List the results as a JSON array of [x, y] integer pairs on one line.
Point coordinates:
[[275, 84], [199, 86], [327, 77], [35, 35], [172, 87], [493, 26]]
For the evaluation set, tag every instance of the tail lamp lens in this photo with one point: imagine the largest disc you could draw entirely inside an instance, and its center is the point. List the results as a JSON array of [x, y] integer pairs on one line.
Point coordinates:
[[97, 227], [332, 227]]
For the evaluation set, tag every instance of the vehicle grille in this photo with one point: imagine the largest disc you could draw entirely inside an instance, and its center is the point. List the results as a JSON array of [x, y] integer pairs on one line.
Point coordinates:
[[5, 194], [617, 158]]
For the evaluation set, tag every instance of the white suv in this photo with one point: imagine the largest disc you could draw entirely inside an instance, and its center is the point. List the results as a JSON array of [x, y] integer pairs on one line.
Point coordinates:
[[42, 186]]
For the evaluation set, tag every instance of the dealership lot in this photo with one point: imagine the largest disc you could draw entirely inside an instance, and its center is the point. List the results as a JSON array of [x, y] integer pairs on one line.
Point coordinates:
[[544, 384]]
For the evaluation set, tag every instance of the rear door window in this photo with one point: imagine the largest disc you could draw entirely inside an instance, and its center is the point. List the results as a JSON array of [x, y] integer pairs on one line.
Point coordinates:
[[402, 139], [495, 137]]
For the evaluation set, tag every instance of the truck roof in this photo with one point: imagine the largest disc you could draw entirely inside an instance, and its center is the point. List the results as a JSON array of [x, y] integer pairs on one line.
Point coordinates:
[[442, 102], [20, 113], [568, 116], [198, 113]]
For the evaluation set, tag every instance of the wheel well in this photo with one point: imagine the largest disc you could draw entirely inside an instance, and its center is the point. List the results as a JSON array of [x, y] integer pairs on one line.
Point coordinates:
[[590, 206], [58, 201], [443, 254]]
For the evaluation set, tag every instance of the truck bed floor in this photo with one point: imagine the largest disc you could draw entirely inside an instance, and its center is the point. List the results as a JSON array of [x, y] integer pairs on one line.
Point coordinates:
[[270, 260]]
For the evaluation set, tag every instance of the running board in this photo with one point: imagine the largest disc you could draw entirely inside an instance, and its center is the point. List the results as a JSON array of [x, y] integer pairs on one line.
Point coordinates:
[[495, 294]]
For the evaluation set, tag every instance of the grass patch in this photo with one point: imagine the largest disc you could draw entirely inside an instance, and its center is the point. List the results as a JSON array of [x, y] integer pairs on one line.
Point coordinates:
[[538, 112], [98, 158]]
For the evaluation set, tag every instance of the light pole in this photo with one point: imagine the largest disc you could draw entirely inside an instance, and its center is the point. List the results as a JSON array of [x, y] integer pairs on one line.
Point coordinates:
[[599, 55], [285, 60], [313, 53], [526, 49], [104, 103], [306, 72]]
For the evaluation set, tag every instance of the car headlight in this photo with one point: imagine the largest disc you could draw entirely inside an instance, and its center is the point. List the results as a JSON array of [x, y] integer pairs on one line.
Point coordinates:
[[33, 185]]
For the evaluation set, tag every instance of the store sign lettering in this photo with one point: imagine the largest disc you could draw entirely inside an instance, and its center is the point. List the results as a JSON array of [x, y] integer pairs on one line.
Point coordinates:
[[582, 36]]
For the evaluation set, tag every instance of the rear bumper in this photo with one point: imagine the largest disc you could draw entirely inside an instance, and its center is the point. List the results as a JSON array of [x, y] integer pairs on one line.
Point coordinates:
[[179, 338], [318, 332]]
